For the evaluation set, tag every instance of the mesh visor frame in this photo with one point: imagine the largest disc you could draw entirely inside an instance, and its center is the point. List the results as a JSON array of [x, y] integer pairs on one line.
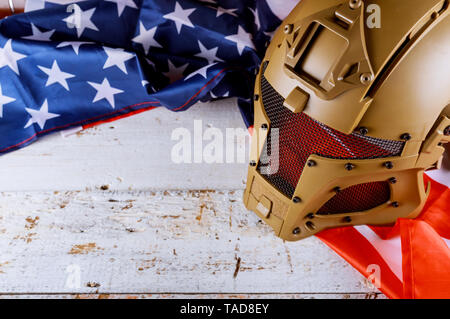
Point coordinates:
[[299, 136], [315, 188]]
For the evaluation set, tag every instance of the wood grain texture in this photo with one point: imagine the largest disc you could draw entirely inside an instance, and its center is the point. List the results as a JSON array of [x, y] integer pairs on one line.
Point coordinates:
[[195, 296], [157, 242], [133, 152], [97, 203]]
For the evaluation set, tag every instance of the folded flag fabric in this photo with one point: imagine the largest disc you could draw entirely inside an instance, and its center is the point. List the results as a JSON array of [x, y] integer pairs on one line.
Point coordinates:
[[76, 63], [73, 64]]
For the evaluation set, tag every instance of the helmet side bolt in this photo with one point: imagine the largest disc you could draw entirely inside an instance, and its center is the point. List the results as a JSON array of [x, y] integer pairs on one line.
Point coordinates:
[[363, 130], [447, 131], [337, 190], [311, 226], [296, 200], [264, 126], [288, 28], [406, 137], [389, 165], [311, 163], [366, 78], [310, 216], [393, 180], [395, 204], [347, 219], [256, 97], [252, 163], [355, 4], [296, 231], [349, 166]]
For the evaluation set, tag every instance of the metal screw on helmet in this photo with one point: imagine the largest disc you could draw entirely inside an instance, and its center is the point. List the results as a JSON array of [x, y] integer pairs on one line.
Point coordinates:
[[256, 97], [296, 231], [355, 4], [406, 136], [252, 163], [389, 165], [288, 28], [264, 126], [363, 130], [347, 219], [392, 180], [311, 163], [366, 78], [296, 200], [447, 131], [337, 189], [349, 166], [311, 226], [310, 216], [395, 204]]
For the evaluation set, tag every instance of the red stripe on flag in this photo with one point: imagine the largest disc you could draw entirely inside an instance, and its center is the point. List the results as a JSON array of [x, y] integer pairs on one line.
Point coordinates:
[[358, 251]]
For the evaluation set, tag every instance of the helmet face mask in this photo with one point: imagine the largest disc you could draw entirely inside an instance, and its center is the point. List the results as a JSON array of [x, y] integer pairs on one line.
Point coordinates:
[[342, 135]]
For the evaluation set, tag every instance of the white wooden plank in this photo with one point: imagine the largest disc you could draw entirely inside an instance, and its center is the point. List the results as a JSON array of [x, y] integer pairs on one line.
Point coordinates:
[[195, 296], [133, 152], [156, 243]]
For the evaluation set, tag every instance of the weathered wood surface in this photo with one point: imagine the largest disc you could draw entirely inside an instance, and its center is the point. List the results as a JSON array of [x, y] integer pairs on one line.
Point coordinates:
[[133, 152], [156, 242], [195, 296], [137, 239]]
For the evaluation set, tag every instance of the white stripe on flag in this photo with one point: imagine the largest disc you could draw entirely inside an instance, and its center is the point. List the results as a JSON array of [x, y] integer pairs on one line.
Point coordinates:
[[441, 176], [390, 249], [32, 5], [282, 8]]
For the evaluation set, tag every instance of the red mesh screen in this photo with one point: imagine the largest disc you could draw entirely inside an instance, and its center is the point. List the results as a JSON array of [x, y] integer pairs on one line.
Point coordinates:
[[357, 198], [301, 136]]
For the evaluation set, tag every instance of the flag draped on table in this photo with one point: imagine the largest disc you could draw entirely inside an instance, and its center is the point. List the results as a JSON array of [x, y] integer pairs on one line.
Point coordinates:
[[73, 64], [77, 63]]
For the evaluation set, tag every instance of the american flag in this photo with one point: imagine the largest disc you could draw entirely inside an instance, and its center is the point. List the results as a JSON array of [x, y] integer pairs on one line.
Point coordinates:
[[67, 64]]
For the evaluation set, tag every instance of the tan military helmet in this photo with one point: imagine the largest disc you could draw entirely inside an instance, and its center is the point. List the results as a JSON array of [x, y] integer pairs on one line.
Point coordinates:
[[349, 113]]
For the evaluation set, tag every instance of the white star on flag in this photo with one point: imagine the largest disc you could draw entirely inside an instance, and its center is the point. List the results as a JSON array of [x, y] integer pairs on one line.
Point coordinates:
[[121, 4], [117, 57], [55, 75], [81, 20], [210, 55], [221, 11], [9, 58], [201, 71], [4, 100], [257, 20], [146, 38], [150, 62], [74, 44], [270, 34], [175, 73], [213, 96], [40, 117], [180, 17], [105, 91], [242, 40], [38, 35]]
